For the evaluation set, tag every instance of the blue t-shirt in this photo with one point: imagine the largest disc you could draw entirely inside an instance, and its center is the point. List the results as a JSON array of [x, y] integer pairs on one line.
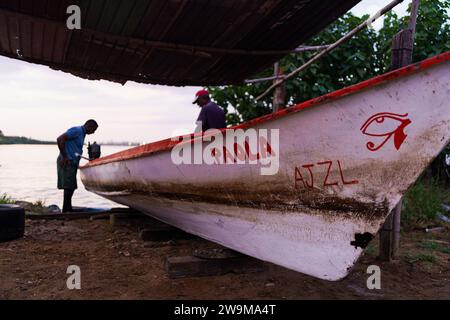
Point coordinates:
[[75, 142]]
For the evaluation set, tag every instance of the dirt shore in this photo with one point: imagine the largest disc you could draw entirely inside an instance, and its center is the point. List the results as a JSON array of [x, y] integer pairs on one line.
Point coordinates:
[[116, 264]]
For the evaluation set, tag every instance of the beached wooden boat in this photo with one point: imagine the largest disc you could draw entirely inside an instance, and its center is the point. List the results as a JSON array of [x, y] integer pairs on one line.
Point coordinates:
[[345, 160]]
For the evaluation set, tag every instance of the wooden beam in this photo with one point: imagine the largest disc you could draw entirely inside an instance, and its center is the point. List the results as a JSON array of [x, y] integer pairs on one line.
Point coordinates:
[[413, 16], [163, 234], [386, 239], [67, 215], [190, 266], [249, 81], [298, 50], [311, 48], [396, 227], [279, 96]]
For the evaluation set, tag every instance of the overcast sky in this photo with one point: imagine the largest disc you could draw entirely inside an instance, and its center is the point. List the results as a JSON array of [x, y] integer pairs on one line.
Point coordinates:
[[38, 102]]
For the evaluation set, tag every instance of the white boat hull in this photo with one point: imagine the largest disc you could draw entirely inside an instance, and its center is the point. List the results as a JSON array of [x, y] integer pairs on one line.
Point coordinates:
[[337, 180]]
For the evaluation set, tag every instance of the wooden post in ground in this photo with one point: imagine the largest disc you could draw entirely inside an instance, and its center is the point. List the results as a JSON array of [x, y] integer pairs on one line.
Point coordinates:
[[279, 96], [386, 239], [402, 51], [396, 222], [390, 235]]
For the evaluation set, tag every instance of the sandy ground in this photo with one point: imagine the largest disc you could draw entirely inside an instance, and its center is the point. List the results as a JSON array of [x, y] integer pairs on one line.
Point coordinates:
[[116, 264]]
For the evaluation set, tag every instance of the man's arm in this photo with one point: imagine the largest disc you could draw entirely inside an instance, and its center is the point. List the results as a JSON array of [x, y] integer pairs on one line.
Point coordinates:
[[62, 147]]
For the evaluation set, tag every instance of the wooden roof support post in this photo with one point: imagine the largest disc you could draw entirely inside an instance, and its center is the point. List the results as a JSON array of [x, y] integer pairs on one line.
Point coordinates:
[[279, 96], [402, 50]]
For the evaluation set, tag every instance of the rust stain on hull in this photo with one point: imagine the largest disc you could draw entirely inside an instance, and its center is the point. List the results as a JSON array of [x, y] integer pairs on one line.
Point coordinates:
[[285, 199], [278, 193]]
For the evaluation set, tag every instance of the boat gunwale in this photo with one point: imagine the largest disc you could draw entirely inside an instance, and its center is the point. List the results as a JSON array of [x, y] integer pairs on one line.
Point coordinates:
[[167, 144]]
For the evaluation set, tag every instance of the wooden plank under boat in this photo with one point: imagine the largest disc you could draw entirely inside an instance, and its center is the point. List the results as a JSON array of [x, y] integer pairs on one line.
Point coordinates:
[[345, 160]]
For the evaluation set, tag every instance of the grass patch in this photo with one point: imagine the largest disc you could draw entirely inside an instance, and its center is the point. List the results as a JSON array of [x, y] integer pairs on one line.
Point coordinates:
[[431, 245], [423, 201], [5, 199], [421, 257]]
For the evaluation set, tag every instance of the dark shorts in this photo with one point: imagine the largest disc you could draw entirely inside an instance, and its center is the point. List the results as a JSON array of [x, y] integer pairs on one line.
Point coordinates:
[[67, 176]]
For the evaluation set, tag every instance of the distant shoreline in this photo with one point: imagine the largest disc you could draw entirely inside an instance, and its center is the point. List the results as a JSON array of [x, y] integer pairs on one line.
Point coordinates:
[[47, 143], [5, 140], [10, 140]]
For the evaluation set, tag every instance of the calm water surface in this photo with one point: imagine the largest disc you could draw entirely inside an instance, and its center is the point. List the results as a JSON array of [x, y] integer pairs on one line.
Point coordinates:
[[28, 172]]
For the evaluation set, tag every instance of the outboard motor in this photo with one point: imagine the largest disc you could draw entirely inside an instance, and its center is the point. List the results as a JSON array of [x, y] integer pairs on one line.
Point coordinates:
[[94, 151]]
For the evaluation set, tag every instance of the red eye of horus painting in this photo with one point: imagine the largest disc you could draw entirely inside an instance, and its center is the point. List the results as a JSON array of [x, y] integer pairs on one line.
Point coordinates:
[[386, 125]]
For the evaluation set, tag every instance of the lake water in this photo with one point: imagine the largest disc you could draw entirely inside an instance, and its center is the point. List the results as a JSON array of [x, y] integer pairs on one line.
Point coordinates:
[[28, 173]]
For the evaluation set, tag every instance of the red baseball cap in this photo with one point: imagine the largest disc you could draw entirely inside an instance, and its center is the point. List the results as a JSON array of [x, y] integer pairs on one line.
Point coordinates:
[[199, 94]]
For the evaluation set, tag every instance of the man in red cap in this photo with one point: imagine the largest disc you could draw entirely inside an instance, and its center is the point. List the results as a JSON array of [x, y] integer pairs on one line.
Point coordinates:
[[211, 116]]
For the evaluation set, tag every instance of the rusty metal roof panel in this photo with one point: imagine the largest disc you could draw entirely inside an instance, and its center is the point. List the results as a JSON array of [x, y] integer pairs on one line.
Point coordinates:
[[173, 42]]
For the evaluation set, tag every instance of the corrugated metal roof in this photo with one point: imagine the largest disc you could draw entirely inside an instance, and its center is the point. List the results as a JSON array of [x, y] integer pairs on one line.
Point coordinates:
[[162, 41]]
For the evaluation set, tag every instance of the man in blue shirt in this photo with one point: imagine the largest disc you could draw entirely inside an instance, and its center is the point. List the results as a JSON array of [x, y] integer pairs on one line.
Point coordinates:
[[70, 146]]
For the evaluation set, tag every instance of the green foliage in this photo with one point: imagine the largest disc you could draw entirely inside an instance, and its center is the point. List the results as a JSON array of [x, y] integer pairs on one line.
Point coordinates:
[[421, 257], [364, 56], [432, 245], [5, 199], [422, 202], [432, 31]]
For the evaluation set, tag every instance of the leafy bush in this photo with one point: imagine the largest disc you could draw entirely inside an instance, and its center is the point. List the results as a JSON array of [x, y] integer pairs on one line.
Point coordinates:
[[423, 201], [5, 199]]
